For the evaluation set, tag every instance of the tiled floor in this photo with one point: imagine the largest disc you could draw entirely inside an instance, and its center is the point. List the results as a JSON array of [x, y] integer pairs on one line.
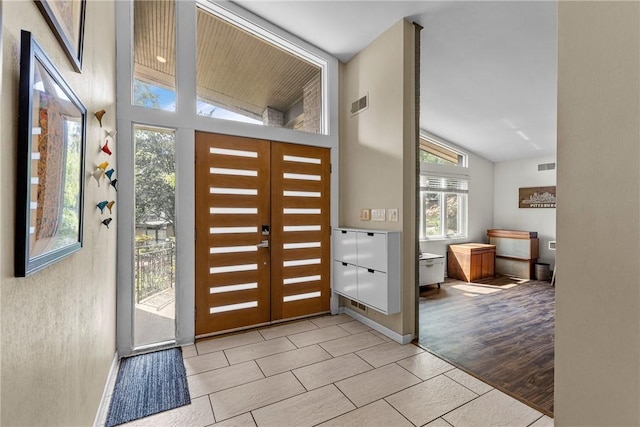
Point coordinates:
[[333, 371]]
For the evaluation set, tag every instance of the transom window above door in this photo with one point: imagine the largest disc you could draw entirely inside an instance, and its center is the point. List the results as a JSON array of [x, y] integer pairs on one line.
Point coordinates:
[[243, 72]]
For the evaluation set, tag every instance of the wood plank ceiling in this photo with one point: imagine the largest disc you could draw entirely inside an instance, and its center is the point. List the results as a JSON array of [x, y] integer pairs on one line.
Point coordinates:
[[235, 69]]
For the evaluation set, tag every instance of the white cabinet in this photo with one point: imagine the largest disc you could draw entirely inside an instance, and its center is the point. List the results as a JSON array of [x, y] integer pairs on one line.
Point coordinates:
[[431, 269], [366, 267]]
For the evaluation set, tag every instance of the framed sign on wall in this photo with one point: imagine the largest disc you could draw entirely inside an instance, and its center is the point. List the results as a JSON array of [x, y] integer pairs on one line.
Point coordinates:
[[537, 197]]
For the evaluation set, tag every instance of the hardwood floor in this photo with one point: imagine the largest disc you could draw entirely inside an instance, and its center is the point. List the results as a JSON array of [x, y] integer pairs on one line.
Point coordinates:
[[501, 330]]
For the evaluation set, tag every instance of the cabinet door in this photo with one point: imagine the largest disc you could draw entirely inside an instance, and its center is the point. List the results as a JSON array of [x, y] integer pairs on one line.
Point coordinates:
[[344, 246], [372, 251], [372, 288], [345, 279]]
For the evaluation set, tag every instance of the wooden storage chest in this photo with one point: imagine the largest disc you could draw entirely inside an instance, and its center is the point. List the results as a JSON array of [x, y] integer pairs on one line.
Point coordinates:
[[471, 261]]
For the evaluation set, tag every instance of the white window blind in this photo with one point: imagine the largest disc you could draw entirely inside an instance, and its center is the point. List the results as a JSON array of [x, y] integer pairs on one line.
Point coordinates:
[[444, 184]]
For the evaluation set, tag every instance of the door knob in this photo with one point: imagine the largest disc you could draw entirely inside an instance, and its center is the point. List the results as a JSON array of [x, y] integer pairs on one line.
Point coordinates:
[[264, 244]]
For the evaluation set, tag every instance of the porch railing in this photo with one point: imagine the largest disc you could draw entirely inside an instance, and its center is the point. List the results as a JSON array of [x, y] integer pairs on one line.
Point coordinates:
[[154, 269]]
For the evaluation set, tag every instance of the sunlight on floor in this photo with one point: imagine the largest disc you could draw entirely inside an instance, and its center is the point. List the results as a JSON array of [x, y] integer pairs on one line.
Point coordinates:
[[475, 289]]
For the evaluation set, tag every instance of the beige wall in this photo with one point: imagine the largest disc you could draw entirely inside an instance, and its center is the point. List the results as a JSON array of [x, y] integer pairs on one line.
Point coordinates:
[[377, 150], [597, 361], [58, 325]]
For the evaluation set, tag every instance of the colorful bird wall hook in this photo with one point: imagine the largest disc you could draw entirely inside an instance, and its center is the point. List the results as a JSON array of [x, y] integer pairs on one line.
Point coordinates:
[[105, 148], [99, 115], [107, 222], [103, 166], [109, 173], [111, 133], [110, 205], [103, 204], [97, 174], [113, 184]]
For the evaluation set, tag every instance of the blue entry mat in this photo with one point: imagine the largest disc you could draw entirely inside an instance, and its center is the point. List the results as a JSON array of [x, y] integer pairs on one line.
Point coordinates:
[[147, 384]]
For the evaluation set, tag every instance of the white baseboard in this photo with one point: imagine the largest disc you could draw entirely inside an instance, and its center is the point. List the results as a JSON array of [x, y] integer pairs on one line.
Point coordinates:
[[401, 339], [101, 415]]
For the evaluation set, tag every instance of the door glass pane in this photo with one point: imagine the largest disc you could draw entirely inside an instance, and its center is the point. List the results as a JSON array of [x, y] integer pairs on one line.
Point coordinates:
[[243, 77], [154, 251], [154, 68]]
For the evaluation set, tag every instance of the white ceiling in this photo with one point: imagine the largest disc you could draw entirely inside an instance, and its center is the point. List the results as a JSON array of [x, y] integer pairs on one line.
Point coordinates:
[[488, 79]]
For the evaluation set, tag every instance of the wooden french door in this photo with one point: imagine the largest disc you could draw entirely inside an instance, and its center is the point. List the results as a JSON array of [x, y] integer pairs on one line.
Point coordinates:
[[262, 231]]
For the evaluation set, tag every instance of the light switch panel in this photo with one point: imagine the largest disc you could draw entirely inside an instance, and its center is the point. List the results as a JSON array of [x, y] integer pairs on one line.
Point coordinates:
[[378, 214]]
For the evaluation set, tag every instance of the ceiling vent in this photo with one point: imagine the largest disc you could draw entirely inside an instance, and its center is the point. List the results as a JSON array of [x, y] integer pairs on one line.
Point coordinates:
[[359, 105], [546, 167]]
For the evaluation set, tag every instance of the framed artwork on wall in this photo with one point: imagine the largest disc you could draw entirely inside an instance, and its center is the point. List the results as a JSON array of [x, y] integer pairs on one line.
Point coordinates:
[[50, 170], [66, 19], [537, 197]]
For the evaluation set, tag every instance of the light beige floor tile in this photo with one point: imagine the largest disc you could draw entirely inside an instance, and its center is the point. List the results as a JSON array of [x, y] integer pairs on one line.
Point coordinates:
[[287, 329], [378, 413], [197, 414], [293, 359], [543, 422], [260, 349], [230, 341], [330, 320], [330, 371], [354, 327], [425, 365], [206, 362], [382, 336], [493, 409], [223, 378], [247, 397], [306, 409], [317, 336], [431, 399], [351, 343], [387, 353], [470, 382], [373, 385], [244, 420], [189, 351], [438, 422]]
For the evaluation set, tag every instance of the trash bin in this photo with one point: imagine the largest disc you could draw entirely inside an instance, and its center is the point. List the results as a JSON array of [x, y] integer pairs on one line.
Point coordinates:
[[542, 271]]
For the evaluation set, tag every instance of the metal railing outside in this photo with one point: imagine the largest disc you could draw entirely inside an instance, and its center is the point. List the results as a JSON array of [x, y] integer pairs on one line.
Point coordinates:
[[154, 269]]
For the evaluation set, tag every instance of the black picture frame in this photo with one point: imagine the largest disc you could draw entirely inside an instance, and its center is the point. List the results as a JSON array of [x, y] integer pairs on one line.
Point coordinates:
[[66, 19], [50, 164]]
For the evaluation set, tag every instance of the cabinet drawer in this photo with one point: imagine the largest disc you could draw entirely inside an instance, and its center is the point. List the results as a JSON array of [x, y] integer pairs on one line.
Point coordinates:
[[345, 279], [431, 271], [372, 250], [372, 288], [344, 246]]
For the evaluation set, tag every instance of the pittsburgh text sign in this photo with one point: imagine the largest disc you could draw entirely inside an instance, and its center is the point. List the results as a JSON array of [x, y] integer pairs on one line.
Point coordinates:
[[537, 197]]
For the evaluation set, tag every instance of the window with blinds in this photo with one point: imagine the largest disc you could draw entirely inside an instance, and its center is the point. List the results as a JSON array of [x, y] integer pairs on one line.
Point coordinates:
[[443, 201]]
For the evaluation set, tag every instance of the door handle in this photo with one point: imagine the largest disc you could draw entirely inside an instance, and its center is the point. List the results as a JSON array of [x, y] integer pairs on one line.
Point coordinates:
[[264, 244]]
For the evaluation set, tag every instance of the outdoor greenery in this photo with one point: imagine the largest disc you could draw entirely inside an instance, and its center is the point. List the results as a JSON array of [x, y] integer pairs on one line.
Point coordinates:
[[144, 96], [427, 157], [432, 214], [155, 176]]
